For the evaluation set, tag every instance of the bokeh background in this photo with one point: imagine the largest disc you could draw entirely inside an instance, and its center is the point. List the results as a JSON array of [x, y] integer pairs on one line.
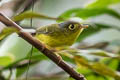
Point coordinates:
[[99, 45]]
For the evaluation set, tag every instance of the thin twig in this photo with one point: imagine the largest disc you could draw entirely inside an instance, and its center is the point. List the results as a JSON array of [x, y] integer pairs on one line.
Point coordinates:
[[100, 45], [41, 47], [30, 56]]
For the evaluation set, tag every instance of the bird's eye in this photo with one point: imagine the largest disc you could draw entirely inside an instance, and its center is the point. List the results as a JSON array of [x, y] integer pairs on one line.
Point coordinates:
[[71, 27]]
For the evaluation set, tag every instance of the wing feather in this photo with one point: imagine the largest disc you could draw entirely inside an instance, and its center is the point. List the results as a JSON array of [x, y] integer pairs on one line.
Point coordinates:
[[46, 29]]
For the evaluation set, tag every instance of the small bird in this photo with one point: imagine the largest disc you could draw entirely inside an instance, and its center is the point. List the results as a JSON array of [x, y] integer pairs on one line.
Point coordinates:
[[60, 35]]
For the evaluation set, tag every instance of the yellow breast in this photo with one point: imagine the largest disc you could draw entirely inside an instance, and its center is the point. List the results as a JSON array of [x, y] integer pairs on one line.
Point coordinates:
[[58, 41]]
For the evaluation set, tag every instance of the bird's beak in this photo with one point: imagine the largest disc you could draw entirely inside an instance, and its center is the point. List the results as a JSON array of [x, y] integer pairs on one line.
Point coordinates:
[[85, 25]]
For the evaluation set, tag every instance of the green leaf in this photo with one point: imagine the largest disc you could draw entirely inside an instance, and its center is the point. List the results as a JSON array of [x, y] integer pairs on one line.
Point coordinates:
[[83, 70], [29, 14], [7, 31], [98, 67], [20, 71], [87, 64], [114, 64], [102, 3], [70, 78], [103, 69], [97, 77], [5, 60], [87, 13]]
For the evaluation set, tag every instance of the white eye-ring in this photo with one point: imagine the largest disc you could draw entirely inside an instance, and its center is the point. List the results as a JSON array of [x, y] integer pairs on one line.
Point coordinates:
[[71, 27]]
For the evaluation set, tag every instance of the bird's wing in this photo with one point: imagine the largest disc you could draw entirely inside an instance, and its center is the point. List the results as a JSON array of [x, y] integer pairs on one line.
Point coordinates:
[[46, 29]]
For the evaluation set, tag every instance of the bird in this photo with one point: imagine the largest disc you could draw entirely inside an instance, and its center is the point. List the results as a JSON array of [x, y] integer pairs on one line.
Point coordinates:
[[60, 35]]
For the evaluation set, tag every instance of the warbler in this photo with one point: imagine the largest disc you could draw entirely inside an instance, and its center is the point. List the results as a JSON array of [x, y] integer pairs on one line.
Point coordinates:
[[60, 35]]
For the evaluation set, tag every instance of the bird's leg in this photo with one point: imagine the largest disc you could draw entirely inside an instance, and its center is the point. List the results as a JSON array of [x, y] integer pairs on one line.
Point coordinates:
[[55, 51]]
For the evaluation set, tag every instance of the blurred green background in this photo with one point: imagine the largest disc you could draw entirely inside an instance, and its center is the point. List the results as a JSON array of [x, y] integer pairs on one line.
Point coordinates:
[[98, 47]]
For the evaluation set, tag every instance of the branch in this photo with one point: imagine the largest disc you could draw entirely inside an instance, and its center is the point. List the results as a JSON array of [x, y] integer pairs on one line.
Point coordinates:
[[37, 44], [100, 45]]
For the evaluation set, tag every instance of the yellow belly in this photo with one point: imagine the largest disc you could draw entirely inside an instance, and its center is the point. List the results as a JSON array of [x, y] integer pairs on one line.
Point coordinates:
[[55, 42], [58, 40]]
